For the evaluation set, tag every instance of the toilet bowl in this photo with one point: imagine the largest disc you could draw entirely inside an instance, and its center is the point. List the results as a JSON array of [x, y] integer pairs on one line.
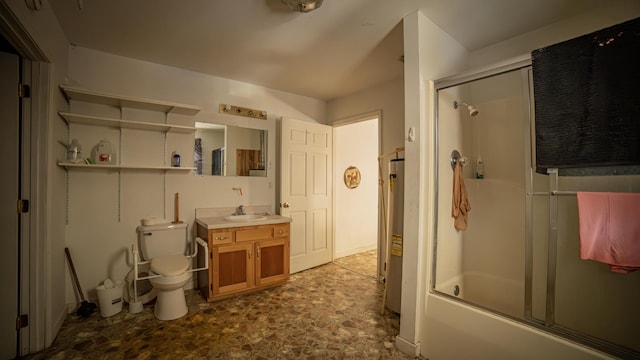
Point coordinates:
[[170, 300], [163, 247]]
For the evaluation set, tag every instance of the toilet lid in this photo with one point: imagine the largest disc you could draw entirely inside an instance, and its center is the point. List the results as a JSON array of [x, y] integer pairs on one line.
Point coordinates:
[[169, 265]]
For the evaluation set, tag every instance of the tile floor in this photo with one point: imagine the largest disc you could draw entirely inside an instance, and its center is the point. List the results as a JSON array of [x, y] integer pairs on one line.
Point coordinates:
[[329, 312]]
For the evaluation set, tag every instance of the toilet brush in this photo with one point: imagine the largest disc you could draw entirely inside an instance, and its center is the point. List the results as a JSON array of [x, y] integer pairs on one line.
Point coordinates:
[[86, 308]]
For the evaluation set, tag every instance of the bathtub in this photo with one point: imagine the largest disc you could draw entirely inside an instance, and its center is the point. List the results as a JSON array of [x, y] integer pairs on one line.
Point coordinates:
[[488, 291]]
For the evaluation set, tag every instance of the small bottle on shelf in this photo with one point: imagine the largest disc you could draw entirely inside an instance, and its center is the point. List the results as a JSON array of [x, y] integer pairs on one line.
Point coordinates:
[[175, 159], [479, 168]]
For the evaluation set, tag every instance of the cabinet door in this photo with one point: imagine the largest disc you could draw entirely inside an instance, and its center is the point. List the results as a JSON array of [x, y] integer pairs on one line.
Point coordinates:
[[232, 268], [272, 261]]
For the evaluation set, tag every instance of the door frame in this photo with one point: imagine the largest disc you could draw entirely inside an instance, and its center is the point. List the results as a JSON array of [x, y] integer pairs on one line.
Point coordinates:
[[34, 286], [370, 115]]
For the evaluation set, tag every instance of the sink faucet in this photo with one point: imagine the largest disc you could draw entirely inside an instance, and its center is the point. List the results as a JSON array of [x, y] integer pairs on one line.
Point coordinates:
[[240, 211]]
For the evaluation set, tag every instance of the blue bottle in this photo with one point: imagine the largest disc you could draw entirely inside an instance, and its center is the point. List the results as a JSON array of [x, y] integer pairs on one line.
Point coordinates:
[[175, 160]]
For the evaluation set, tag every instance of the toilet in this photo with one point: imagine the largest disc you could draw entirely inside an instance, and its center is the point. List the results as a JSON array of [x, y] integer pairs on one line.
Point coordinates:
[[163, 247]]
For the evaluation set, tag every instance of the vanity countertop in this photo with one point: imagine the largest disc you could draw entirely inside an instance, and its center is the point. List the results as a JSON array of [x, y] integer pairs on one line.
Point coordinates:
[[218, 222]]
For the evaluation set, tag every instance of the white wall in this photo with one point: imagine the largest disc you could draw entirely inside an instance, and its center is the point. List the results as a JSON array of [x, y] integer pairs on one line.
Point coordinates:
[[356, 210], [452, 330], [430, 54], [616, 11], [388, 98], [98, 240]]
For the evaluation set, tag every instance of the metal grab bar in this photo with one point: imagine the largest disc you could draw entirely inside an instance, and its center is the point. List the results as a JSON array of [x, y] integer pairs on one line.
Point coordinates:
[[136, 260]]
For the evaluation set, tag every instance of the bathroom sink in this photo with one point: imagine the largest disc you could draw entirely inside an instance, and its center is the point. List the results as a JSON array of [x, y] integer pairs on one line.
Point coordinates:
[[245, 217]]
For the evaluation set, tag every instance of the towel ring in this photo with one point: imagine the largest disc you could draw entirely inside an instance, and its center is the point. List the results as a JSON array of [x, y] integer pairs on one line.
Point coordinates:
[[455, 157]]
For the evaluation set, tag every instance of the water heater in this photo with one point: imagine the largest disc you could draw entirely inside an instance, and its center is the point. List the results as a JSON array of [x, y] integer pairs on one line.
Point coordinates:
[[395, 231]]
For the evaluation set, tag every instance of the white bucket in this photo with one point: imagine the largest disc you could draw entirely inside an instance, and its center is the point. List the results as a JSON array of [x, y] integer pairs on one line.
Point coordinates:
[[110, 300]]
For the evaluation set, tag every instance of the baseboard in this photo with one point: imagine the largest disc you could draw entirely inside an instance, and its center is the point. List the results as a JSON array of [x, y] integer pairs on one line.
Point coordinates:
[[57, 325], [407, 347], [71, 307], [354, 251]]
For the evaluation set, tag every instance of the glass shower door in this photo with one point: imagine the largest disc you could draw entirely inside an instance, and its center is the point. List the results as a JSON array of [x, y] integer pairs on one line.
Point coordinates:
[[485, 264]]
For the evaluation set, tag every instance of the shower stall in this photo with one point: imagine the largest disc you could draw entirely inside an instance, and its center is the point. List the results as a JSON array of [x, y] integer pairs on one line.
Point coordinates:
[[519, 256]]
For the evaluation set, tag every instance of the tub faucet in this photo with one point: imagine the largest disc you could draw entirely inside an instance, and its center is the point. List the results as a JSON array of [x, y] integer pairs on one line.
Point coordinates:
[[240, 211]]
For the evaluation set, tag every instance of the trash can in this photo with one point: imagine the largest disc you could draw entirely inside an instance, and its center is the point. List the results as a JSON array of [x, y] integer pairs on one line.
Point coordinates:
[[110, 300]]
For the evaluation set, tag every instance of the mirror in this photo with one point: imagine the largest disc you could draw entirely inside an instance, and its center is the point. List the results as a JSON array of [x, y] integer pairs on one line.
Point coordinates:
[[224, 150]]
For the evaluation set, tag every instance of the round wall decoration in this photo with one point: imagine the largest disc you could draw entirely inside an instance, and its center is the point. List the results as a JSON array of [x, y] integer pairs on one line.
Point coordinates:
[[352, 177]]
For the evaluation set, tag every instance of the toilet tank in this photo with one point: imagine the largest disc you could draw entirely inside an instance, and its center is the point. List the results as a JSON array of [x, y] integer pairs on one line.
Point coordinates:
[[162, 239]]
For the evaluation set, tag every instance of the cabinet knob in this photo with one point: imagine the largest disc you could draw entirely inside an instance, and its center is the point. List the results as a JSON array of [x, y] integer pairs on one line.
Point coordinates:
[[221, 237], [281, 232], [258, 252], [249, 253]]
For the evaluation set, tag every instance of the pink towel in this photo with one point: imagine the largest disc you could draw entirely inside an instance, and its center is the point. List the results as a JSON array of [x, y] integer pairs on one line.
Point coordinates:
[[460, 205], [610, 229]]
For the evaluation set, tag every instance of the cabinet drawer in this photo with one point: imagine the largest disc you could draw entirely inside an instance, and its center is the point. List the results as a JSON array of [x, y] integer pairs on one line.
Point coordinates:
[[281, 231], [221, 237], [254, 234]]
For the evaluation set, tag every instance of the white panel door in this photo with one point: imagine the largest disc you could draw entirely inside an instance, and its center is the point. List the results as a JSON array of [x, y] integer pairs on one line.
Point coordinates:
[[306, 191], [10, 149]]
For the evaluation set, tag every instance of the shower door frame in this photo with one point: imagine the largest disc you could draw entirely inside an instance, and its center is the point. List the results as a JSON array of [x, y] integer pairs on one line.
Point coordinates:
[[547, 324], [523, 64]]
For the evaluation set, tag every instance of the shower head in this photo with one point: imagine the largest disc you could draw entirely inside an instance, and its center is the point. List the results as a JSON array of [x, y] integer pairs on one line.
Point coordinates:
[[472, 110]]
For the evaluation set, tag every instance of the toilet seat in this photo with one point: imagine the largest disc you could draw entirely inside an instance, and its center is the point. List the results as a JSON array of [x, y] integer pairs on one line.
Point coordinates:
[[169, 265]]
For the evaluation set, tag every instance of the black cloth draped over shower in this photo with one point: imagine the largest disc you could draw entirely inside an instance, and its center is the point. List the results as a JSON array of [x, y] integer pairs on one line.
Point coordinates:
[[587, 100]]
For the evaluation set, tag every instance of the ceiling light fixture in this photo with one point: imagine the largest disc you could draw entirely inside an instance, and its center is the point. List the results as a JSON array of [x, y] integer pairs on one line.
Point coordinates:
[[303, 5]]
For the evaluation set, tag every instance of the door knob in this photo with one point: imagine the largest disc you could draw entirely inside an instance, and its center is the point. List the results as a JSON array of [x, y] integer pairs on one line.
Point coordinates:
[[284, 205]]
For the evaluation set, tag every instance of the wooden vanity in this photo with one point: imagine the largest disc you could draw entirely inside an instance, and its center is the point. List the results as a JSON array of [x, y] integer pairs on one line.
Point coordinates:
[[243, 257]]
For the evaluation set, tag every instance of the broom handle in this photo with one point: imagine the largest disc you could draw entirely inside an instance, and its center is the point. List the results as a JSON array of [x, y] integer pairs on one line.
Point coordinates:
[[177, 208], [73, 272]]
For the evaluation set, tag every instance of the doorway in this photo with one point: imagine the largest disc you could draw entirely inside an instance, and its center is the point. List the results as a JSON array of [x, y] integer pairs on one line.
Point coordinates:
[[356, 149], [25, 147], [10, 193]]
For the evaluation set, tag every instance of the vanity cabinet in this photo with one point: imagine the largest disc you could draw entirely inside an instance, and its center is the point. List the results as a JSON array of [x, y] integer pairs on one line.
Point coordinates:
[[244, 259]]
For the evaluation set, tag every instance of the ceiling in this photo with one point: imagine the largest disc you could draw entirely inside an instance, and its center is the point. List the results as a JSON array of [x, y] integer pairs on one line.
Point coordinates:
[[341, 48]]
